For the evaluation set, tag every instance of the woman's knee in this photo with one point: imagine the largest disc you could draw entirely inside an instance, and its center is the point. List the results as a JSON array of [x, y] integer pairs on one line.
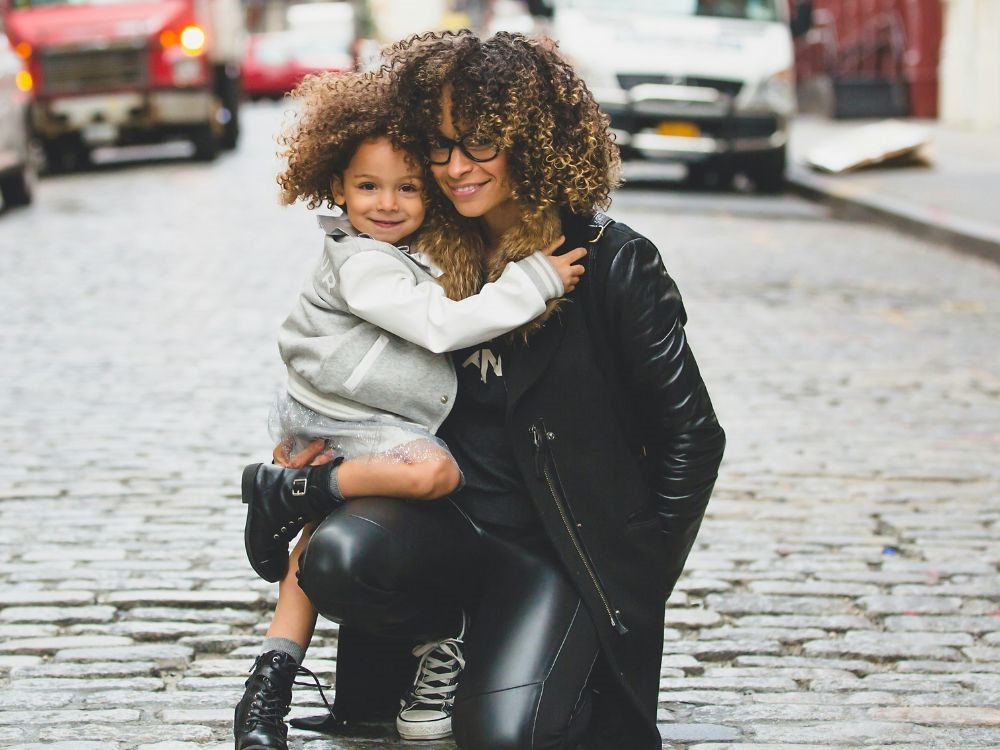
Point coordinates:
[[348, 558]]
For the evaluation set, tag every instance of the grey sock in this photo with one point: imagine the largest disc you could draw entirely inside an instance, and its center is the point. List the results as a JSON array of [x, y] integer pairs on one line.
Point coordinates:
[[286, 646]]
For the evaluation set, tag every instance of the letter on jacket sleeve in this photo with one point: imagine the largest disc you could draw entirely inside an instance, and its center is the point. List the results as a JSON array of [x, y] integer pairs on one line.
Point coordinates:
[[377, 289], [683, 437]]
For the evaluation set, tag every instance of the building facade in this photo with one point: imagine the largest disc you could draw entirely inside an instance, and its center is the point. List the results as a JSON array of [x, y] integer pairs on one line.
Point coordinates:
[[970, 64]]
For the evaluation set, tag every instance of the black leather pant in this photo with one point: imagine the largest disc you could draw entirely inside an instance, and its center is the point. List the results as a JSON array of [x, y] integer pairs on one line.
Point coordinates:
[[408, 568]]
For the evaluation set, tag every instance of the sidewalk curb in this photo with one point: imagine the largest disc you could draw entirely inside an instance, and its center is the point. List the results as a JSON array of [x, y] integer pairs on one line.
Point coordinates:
[[963, 235]]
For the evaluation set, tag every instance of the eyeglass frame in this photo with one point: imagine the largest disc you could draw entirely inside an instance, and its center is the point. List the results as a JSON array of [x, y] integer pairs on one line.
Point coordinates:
[[451, 144]]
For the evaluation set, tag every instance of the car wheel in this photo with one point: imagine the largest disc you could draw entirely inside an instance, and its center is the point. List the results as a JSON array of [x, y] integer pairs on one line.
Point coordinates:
[[18, 187], [768, 171]]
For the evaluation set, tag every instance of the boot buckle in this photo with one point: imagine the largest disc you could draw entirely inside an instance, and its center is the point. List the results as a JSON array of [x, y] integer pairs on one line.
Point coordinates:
[[299, 487]]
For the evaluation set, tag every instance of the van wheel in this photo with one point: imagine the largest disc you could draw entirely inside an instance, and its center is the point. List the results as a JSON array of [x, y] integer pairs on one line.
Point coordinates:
[[17, 187], [206, 145], [710, 176], [768, 171]]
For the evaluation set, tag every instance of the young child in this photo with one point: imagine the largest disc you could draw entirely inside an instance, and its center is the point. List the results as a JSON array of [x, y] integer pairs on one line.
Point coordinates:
[[368, 380]]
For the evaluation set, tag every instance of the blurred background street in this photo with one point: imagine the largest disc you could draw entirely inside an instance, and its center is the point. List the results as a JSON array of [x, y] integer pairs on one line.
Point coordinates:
[[844, 588]]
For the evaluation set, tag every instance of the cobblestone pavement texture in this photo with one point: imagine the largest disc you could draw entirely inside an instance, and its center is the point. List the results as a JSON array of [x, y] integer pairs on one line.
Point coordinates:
[[844, 589]]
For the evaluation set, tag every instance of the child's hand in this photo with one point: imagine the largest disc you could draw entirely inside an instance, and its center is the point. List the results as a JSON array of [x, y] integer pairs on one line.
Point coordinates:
[[566, 264], [313, 454]]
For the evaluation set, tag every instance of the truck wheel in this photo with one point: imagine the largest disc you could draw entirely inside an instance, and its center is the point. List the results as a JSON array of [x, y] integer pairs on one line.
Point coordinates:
[[231, 106], [231, 131], [227, 88], [66, 153], [206, 145], [17, 187], [768, 171]]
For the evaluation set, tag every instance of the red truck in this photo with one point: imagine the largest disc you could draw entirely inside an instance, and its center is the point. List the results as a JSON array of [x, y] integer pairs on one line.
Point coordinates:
[[123, 72]]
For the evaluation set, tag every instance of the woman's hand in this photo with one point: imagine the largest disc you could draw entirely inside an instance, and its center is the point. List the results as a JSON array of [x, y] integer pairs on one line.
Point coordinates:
[[566, 264], [314, 454]]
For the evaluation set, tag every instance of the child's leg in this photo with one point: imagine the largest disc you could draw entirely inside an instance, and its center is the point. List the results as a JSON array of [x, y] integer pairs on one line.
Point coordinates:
[[423, 468], [294, 617], [259, 718]]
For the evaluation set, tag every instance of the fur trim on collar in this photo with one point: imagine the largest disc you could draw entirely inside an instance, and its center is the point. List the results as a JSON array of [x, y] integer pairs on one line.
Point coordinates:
[[464, 261]]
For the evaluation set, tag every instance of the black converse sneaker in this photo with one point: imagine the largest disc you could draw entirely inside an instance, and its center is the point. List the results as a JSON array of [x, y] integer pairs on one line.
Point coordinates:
[[426, 709]]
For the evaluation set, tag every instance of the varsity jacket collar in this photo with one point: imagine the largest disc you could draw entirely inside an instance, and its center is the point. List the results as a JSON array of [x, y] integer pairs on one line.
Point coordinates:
[[340, 226]]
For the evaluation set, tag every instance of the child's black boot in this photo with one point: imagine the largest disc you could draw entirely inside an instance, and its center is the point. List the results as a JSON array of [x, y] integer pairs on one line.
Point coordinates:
[[279, 503], [259, 723]]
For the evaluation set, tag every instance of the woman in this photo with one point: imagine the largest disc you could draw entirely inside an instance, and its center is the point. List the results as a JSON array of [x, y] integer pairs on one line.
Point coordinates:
[[588, 442]]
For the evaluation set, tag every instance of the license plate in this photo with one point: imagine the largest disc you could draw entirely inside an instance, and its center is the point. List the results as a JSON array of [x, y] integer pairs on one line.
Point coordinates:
[[100, 132], [680, 129]]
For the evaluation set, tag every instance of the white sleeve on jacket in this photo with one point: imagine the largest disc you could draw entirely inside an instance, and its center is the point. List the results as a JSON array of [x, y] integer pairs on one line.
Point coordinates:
[[377, 288]]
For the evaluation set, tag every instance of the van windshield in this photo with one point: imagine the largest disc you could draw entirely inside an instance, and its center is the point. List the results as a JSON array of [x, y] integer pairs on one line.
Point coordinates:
[[754, 10]]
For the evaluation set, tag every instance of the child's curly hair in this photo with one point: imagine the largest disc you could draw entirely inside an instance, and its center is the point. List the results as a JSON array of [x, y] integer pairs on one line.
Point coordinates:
[[336, 113], [520, 93]]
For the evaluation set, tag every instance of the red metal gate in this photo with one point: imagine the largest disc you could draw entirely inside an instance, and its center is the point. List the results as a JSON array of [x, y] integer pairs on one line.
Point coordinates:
[[881, 56]]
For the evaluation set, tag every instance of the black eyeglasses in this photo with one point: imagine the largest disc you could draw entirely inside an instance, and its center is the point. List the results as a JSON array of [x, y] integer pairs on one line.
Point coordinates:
[[475, 147]]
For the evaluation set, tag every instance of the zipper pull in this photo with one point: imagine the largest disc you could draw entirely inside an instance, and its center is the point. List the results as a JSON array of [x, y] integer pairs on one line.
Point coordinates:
[[536, 436], [619, 626]]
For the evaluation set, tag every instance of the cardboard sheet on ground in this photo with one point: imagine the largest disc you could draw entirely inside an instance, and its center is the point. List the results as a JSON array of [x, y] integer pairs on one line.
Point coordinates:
[[889, 143]]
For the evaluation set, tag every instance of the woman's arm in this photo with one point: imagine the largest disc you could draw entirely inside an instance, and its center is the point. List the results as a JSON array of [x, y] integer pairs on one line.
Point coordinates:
[[684, 441], [378, 289]]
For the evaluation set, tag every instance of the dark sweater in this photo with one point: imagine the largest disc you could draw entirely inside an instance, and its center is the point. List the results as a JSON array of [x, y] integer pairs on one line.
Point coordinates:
[[476, 433]]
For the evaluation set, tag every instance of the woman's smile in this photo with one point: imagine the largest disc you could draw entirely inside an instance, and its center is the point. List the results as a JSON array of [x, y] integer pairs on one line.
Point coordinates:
[[467, 189]]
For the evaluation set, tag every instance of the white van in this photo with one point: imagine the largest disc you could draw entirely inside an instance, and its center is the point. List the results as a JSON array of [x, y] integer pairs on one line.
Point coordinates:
[[706, 82]]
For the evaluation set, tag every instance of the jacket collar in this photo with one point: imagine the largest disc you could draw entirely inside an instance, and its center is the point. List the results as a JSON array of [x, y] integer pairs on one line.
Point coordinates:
[[339, 226], [528, 364]]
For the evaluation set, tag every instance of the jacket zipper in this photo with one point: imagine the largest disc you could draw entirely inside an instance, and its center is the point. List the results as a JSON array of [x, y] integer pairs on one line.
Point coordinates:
[[544, 471]]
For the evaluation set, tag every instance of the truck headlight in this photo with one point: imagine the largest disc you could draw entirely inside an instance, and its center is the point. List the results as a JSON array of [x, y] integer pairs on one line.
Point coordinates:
[[774, 94], [192, 40]]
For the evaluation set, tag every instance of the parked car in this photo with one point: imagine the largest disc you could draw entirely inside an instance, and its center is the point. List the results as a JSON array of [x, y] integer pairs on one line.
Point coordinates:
[[276, 61], [17, 175], [706, 82]]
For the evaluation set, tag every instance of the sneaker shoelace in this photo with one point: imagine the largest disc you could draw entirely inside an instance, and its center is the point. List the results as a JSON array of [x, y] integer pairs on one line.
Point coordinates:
[[437, 674]]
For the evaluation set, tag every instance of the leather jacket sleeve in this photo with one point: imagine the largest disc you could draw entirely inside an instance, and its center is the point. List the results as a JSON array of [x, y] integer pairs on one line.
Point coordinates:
[[682, 437]]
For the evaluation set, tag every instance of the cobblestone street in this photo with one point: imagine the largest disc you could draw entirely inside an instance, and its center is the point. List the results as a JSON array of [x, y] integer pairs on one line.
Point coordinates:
[[844, 589]]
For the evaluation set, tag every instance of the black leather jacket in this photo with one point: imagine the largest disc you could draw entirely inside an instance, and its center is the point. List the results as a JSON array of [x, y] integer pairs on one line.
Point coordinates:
[[637, 308], [620, 448]]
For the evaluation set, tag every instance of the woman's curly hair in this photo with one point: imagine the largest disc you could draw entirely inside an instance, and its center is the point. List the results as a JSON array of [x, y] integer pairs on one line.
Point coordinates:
[[520, 93], [336, 113]]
